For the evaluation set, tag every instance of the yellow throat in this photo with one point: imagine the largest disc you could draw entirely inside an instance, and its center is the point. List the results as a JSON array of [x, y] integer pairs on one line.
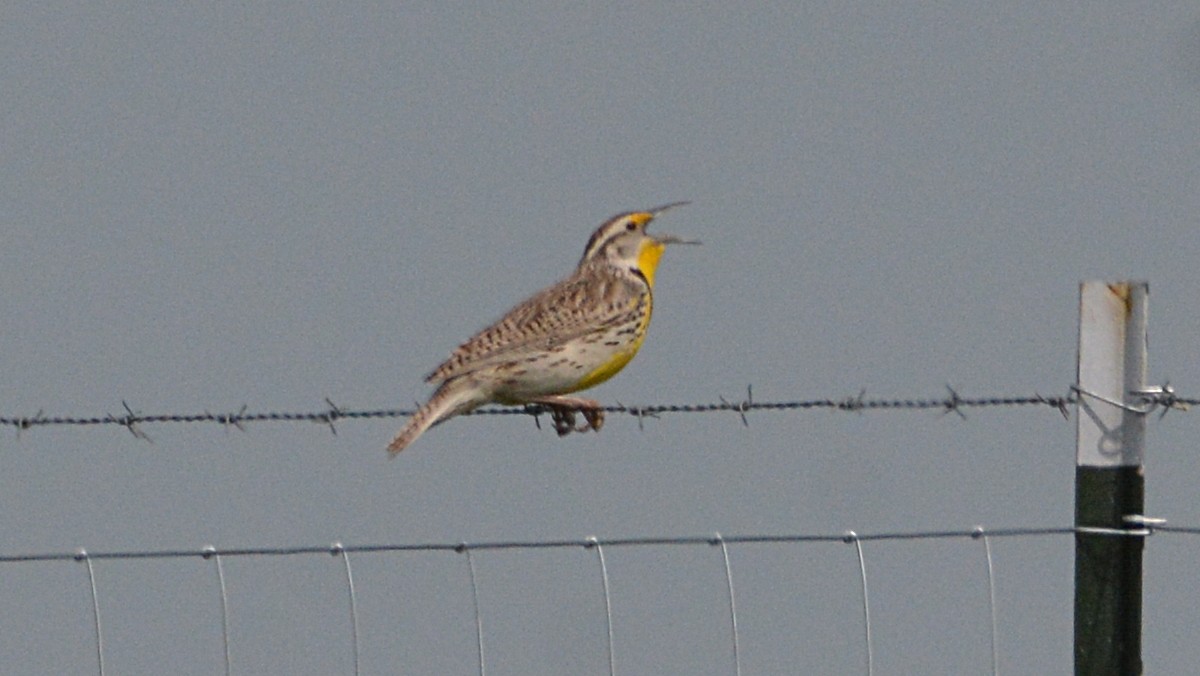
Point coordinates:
[[648, 258], [647, 262]]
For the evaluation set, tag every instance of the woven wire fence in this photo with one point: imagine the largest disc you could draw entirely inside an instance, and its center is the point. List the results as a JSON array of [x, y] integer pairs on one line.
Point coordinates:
[[1161, 399], [475, 555]]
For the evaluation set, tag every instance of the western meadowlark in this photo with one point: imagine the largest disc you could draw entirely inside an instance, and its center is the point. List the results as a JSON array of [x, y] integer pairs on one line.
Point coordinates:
[[568, 337]]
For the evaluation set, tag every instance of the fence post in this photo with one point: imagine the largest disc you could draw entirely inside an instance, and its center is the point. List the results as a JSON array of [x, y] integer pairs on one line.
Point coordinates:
[[1109, 478]]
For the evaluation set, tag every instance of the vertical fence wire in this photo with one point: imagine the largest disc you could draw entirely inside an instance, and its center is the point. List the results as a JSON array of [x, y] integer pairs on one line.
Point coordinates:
[[339, 550], [82, 555], [475, 602], [733, 623], [211, 552], [851, 536], [595, 542], [991, 577]]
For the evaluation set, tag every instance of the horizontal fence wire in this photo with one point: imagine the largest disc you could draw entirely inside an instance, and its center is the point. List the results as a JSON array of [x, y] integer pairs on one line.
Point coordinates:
[[1163, 398], [1138, 528], [341, 549]]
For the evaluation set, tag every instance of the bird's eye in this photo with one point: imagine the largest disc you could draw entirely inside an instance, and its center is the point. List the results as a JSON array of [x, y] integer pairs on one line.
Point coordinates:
[[631, 226]]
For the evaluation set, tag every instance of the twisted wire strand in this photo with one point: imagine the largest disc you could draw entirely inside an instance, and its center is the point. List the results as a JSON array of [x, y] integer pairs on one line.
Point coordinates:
[[952, 402]]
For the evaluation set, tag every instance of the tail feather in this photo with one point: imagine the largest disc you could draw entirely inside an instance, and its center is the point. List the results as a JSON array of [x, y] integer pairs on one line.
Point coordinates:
[[452, 398]]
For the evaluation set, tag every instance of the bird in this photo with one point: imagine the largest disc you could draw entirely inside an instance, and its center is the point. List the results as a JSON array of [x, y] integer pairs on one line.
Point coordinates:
[[568, 337]]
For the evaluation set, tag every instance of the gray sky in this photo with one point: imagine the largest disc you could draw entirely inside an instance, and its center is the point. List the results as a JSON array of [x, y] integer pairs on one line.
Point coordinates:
[[211, 206]]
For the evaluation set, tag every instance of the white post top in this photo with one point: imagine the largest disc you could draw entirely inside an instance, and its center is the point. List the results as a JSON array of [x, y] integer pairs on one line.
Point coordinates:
[[1112, 363]]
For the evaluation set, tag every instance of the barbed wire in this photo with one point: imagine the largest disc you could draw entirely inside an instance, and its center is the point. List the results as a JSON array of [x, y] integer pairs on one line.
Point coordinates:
[[339, 548], [1163, 398]]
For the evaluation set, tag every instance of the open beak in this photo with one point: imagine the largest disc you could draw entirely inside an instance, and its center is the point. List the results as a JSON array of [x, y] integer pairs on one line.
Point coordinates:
[[658, 210], [670, 239]]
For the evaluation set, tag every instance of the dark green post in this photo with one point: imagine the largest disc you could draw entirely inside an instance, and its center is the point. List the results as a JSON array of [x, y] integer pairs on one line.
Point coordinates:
[[1109, 478]]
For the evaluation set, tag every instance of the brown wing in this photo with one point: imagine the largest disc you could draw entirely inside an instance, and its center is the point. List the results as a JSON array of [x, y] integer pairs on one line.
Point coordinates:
[[572, 308]]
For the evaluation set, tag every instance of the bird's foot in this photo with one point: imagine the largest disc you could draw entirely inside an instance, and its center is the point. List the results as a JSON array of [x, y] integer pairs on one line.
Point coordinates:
[[594, 418], [563, 412]]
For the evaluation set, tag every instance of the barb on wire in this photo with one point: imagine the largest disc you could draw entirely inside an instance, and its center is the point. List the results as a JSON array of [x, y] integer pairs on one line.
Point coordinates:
[[1163, 396], [536, 411], [330, 416], [953, 402], [1059, 403], [741, 407], [638, 412], [853, 403], [26, 423], [232, 419], [130, 421]]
